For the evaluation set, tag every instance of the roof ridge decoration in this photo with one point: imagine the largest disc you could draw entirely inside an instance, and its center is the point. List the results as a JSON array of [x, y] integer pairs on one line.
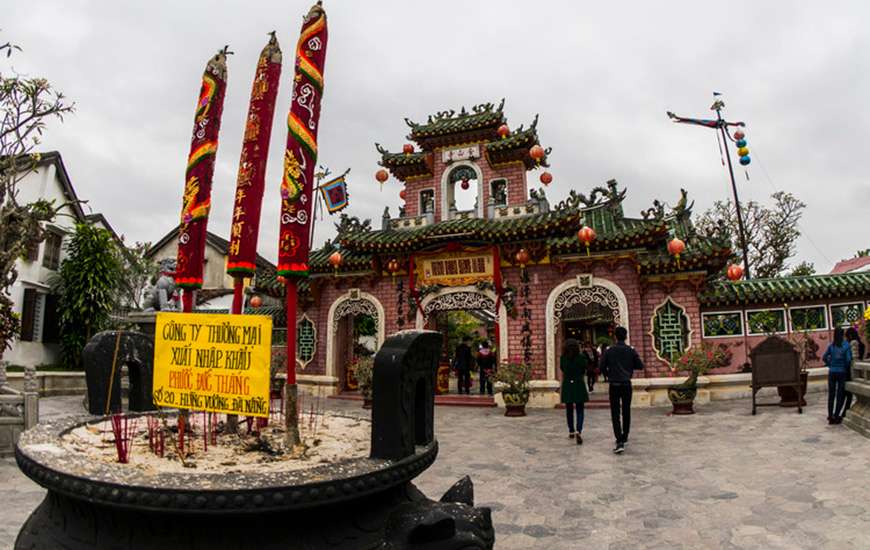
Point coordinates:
[[450, 114], [600, 195], [352, 224]]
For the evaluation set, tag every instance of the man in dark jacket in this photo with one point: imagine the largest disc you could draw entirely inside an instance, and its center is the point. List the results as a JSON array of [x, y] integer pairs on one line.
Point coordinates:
[[618, 363], [462, 360]]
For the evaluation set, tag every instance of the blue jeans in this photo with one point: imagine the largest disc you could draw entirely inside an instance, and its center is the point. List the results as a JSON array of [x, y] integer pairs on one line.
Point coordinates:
[[569, 412], [836, 390]]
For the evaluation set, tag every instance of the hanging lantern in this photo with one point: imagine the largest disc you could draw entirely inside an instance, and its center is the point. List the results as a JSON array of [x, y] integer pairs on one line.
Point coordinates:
[[407, 148], [546, 178], [739, 134], [735, 272], [503, 131], [675, 248], [464, 184], [393, 266], [335, 259], [740, 143], [281, 279], [382, 175], [402, 194], [522, 257], [586, 236], [537, 153], [256, 301]]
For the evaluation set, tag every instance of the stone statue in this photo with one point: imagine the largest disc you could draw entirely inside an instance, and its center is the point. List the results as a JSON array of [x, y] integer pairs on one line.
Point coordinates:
[[162, 296]]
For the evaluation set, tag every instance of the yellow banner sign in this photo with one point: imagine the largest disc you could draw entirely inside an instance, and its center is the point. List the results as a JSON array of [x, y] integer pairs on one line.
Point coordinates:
[[455, 268], [213, 362]]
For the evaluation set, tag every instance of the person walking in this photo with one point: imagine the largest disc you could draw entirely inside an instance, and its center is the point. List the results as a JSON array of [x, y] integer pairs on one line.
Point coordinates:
[[462, 364], [591, 366], [838, 359], [601, 349], [486, 367], [857, 355], [617, 364], [573, 365]]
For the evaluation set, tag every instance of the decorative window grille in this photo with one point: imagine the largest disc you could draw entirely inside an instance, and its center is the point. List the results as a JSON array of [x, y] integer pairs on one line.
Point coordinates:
[[808, 318], [427, 201], [670, 331], [717, 325], [765, 321], [306, 341], [846, 315]]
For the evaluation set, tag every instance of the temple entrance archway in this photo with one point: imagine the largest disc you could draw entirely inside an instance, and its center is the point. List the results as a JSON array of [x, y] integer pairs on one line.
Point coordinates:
[[340, 338], [463, 298], [585, 304]]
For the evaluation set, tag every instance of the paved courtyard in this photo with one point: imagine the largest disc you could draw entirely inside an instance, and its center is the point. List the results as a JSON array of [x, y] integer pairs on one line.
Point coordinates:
[[719, 479]]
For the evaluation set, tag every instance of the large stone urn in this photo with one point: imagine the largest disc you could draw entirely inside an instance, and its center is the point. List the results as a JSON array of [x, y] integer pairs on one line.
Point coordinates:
[[356, 503]]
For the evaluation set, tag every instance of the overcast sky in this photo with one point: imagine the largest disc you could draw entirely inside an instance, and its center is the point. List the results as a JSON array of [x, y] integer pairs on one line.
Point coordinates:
[[601, 75]]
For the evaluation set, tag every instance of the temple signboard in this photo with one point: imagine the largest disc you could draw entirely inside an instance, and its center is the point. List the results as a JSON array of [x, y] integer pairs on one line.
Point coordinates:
[[455, 268]]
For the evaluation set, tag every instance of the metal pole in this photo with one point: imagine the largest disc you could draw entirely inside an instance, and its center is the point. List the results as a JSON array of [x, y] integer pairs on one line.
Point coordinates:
[[736, 199]]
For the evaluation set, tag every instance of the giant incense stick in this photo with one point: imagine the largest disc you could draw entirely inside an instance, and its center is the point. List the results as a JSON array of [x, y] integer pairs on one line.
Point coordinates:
[[297, 183], [200, 170]]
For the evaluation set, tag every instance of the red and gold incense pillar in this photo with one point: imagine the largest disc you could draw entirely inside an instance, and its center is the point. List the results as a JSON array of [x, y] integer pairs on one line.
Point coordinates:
[[250, 183], [297, 184], [196, 202]]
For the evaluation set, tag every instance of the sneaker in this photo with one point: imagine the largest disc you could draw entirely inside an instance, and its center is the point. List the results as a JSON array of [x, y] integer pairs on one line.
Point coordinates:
[[619, 449], [571, 435], [579, 440]]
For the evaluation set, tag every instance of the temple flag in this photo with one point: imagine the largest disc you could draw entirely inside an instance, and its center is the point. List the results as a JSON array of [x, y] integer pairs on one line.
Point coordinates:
[[200, 169], [300, 157], [335, 194], [252, 167]]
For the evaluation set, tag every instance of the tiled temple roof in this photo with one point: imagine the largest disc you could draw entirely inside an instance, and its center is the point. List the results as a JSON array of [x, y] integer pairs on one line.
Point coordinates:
[[515, 147], [450, 128], [784, 289], [406, 165]]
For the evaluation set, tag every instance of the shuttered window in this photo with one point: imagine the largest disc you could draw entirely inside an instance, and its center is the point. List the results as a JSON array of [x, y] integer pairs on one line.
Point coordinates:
[[28, 314], [51, 258]]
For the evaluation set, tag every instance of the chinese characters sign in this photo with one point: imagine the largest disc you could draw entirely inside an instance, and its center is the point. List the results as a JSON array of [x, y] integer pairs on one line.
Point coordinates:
[[456, 268], [217, 363]]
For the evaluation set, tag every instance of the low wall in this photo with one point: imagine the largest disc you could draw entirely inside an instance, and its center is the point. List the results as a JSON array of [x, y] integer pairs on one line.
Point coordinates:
[[19, 411], [858, 417], [49, 384]]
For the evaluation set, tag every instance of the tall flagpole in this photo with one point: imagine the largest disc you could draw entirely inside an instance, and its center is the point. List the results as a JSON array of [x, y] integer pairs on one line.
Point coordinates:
[[718, 106], [297, 186], [196, 202]]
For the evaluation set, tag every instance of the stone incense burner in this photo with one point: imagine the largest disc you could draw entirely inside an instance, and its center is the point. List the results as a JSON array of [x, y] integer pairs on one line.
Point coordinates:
[[354, 503]]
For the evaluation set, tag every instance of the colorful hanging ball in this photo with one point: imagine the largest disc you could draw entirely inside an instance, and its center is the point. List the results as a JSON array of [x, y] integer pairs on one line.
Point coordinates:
[[402, 194], [740, 143], [735, 272], [256, 302], [743, 151], [382, 175], [503, 131], [739, 134], [465, 184], [537, 153], [407, 148], [586, 235], [744, 161], [546, 178]]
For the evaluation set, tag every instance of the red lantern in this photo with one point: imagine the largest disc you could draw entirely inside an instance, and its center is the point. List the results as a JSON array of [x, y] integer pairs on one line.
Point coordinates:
[[537, 153], [335, 259], [256, 301], [393, 266], [546, 178], [407, 148], [739, 134], [735, 272], [382, 175], [522, 257], [504, 131], [402, 194], [675, 248], [465, 184], [281, 279], [586, 236]]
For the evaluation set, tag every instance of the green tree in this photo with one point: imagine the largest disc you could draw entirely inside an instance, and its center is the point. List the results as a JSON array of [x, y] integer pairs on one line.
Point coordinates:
[[138, 271], [802, 269], [26, 105], [771, 231], [87, 288]]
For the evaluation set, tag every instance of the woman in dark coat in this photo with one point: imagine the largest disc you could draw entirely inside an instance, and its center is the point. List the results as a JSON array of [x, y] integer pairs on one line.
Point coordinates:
[[573, 365]]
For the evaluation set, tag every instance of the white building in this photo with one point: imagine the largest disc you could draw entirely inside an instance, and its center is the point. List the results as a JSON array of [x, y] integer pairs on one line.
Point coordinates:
[[31, 295]]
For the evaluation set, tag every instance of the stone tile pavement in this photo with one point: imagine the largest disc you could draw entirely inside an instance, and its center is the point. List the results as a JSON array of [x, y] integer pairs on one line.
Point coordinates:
[[718, 479]]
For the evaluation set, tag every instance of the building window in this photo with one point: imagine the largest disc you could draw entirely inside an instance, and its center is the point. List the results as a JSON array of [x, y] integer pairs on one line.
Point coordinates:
[[32, 253], [765, 321], [720, 325], [51, 257], [808, 318], [846, 315], [498, 191], [28, 315], [670, 331], [306, 341], [427, 201]]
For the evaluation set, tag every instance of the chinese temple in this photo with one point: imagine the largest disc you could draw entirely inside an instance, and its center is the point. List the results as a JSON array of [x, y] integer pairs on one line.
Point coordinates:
[[534, 273]]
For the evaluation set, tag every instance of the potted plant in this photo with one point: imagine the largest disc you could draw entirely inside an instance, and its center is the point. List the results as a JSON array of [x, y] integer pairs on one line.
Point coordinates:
[[512, 380], [364, 378], [697, 360]]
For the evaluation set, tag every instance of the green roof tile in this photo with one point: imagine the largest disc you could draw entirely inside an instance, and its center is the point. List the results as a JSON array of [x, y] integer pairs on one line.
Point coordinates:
[[784, 289]]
